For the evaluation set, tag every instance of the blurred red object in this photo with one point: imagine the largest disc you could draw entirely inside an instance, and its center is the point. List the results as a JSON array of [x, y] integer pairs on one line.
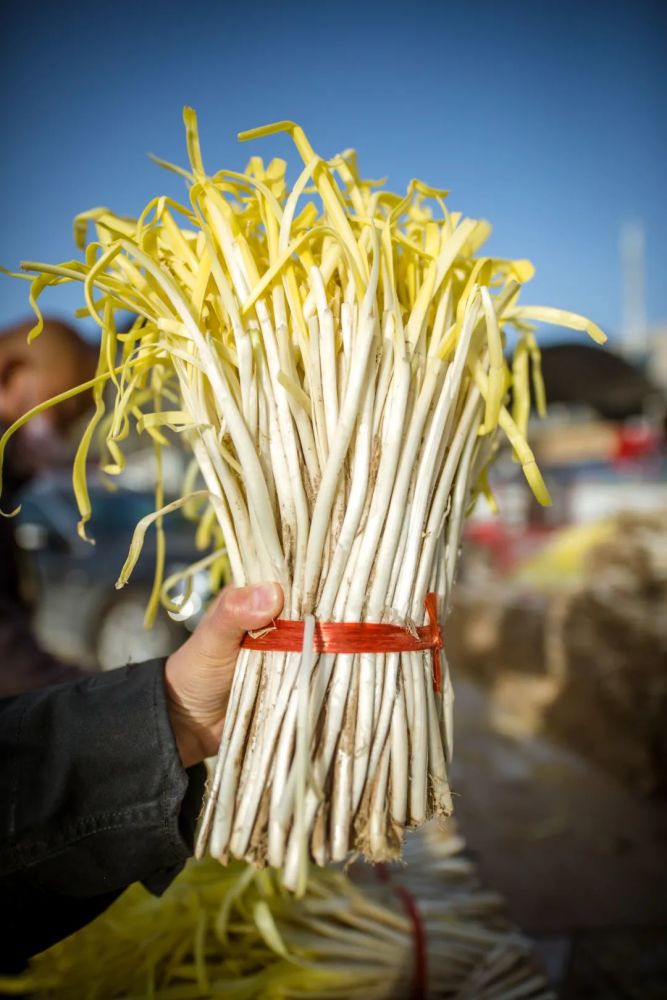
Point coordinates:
[[635, 441], [506, 544]]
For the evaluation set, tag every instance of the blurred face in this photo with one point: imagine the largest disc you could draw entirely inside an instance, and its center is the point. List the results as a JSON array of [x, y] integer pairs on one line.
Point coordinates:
[[32, 373]]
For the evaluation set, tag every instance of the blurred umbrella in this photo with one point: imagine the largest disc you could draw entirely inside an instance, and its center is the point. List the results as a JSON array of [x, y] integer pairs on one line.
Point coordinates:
[[598, 378]]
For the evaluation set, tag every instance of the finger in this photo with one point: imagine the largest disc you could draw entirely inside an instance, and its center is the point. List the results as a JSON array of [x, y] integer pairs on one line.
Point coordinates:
[[237, 611]]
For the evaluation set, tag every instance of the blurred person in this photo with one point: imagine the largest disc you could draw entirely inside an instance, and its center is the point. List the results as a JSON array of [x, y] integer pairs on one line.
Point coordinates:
[[102, 779], [29, 375], [101, 776]]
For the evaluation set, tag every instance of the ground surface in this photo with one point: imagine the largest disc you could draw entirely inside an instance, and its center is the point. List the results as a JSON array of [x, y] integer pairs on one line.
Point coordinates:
[[581, 860]]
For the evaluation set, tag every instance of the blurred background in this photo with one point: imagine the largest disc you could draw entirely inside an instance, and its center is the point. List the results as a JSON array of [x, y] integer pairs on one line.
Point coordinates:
[[548, 120]]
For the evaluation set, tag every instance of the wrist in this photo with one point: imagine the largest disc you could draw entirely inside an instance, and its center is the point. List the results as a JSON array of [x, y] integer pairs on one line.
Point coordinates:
[[195, 739]]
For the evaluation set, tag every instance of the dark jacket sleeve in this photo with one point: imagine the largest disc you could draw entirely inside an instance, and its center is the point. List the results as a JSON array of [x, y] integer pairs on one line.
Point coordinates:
[[93, 797]]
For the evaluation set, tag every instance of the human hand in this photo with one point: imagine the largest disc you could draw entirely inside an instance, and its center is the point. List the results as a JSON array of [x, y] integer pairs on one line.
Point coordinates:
[[198, 676]]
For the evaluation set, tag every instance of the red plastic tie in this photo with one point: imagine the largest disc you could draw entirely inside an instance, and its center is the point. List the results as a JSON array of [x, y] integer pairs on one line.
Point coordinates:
[[286, 636], [420, 982]]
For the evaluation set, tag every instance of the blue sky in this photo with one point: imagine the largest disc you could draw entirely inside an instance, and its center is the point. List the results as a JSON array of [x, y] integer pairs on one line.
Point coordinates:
[[547, 118]]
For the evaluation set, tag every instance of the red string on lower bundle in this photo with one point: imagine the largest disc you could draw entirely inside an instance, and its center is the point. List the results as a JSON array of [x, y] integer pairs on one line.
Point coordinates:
[[420, 983], [286, 636]]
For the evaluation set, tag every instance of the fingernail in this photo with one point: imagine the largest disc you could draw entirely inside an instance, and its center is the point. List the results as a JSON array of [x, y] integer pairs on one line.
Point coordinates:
[[264, 596]]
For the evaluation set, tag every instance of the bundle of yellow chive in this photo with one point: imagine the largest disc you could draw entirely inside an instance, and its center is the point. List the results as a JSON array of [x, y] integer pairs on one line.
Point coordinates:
[[236, 933], [332, 356]]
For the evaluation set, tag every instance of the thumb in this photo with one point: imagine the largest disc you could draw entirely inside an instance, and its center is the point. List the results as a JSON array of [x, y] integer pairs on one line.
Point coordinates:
[[236, 611], [198, 676]]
